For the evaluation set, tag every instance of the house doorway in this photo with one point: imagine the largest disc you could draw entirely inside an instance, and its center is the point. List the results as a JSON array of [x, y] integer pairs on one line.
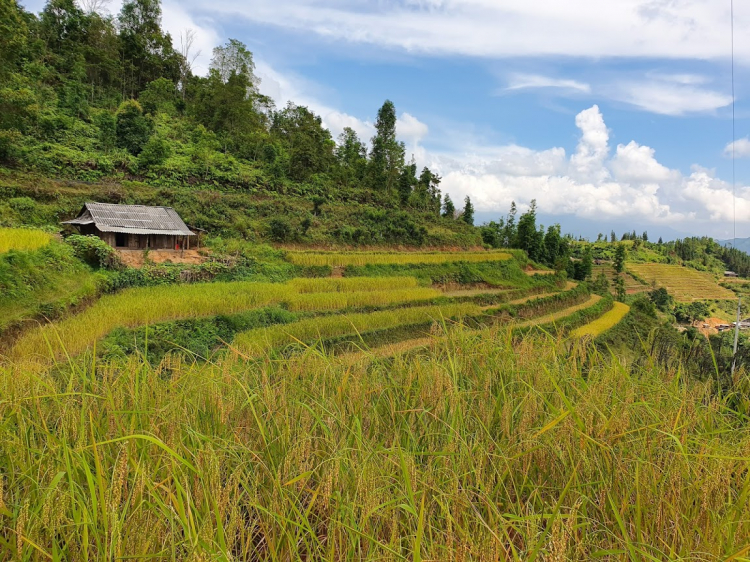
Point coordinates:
[[121, 239]]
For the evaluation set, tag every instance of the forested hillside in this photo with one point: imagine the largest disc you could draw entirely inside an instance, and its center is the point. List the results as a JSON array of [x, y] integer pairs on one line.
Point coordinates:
[[105, 107]]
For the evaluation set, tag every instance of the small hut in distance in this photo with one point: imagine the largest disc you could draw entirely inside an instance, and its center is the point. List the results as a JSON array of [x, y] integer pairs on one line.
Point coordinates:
[[134, 227]]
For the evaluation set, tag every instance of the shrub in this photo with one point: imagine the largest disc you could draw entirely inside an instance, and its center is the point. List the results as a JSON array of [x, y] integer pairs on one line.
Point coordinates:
[[133, 128], [95, 251]]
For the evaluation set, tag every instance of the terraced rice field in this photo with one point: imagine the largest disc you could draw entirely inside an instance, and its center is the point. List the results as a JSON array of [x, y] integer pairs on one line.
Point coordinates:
[[336, 259], [604, 322], [22, 239], [257, 342], [684, 284], [150, 305], [632, 285]]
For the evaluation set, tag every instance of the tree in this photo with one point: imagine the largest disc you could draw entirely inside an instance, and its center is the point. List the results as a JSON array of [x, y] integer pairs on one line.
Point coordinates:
[[234, 58], [406, 182], [509, 235], [661, 299], [612, 237], [526, 237], [468, 213], [645, 236], [13, 36], [449, 209], [620, 288], [133, 129], [619, 261], [307, 142], [146, 50], [387, 154], [351, 155]]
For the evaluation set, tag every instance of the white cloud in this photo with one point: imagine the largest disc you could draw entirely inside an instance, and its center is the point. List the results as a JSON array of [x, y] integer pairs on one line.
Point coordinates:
[[669, 95], [656, 29], [740, 148], [533, 81], [631, 184]]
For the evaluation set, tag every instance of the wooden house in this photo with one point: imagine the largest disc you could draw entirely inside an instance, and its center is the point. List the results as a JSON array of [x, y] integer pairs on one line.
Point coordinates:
[[134, 227]]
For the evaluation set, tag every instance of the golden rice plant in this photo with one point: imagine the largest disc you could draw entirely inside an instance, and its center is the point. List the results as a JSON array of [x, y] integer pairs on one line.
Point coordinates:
[[254, 342], [22, 239], [338, 301], [142, 306], [341, 259], [606, 321], [347, 284], [683, 283], [149, 305], [489, 447]]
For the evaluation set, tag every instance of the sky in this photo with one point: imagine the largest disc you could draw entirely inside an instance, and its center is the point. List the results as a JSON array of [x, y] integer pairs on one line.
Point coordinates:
[[612, 115]]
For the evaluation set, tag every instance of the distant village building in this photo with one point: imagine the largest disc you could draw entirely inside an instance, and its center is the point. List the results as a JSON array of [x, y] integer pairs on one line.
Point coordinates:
[[134, 227], [730, 274]]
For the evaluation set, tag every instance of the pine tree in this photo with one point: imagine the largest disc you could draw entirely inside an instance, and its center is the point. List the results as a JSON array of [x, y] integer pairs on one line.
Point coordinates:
[[468, 214], [449, 209], [619, 262]]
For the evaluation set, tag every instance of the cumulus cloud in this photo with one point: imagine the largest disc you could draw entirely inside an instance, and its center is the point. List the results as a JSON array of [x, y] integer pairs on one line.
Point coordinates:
[[535, 81], [739, 148], [594, 182]]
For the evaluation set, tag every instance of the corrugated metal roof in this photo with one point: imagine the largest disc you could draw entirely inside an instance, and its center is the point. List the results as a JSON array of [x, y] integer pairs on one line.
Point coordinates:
[[133, 219]]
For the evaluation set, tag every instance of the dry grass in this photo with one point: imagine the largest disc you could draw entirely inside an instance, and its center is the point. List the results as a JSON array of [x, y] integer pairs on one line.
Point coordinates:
[[22, 239], [606, 321], [341, 259], [683, 283], [486, 448]]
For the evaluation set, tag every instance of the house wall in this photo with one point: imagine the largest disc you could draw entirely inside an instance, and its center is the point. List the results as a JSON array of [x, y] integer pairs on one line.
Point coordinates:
[[138, 241]]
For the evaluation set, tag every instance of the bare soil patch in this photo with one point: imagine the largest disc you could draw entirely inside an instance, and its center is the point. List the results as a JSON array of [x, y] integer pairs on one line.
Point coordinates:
[[137, 258]]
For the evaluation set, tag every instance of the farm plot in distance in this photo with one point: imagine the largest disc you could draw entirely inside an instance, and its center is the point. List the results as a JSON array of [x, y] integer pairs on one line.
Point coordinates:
[[684, 284]]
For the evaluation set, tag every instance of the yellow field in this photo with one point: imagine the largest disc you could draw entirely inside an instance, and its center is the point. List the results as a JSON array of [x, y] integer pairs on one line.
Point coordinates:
[[258, 341], [22, 239], [340, 259], [604, 322], [149, 305], [347, 284], [684, 284]]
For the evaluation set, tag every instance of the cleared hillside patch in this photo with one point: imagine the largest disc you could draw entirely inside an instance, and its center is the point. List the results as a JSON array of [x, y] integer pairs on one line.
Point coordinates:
[[23, 239], [605, 322], [632, 285], [683, 283], [343, 259]]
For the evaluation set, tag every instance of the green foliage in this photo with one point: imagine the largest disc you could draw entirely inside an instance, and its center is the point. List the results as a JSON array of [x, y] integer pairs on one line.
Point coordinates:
[[155, 152], [133, 128], [619, 261], [195, 337], [661, 299], [94, 251], [449, 209], [468, 213], [387, 156], [691, 312]]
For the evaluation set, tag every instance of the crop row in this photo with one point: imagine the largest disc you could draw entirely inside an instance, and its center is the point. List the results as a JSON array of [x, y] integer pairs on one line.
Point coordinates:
[[604, 322], [22, 239], [256, 342], [342, 259], [149, 305], [684, 284]]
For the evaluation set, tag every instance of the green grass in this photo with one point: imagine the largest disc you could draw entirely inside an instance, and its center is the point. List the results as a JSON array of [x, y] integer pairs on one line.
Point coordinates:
[[22, 239], [491, 446]]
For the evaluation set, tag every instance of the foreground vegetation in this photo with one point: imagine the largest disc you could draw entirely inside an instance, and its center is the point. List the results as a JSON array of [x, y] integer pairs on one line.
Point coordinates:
[[22, 239], [483, 448]]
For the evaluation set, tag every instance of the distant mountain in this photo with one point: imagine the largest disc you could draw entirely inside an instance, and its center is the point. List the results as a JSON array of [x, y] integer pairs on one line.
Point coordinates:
[[742, 244]]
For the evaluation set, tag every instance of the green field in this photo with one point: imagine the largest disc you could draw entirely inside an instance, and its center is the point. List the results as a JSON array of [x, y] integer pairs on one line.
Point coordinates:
[[684, 284]]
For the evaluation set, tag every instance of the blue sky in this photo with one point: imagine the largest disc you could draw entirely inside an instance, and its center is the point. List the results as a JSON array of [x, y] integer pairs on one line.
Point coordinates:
[[610, 114]]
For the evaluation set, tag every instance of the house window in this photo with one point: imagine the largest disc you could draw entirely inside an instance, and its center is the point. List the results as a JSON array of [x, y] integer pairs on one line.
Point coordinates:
[[121, 239]]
